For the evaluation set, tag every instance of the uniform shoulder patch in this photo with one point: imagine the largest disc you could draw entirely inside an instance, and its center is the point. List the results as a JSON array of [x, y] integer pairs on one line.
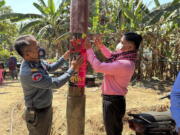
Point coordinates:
[[36, 77]]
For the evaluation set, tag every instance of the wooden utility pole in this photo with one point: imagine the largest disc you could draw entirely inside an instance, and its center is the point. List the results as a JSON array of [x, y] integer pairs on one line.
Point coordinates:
[[75, 112]]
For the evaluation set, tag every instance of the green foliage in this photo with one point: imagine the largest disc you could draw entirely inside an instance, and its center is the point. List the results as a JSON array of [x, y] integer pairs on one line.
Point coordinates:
[[157, 3], [51, 60], [162, 13], [49, 20], [14, 17], [51, 6], [2, 3], [49, 25], [96, 17], [159, 27], [8, 30], [4, 54]]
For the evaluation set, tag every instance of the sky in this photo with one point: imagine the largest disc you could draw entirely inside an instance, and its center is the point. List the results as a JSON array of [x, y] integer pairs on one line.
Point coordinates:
[[25, 6]]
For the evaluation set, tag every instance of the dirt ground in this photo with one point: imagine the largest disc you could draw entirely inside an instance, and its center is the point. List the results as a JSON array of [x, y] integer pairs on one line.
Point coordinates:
[[138, 99]]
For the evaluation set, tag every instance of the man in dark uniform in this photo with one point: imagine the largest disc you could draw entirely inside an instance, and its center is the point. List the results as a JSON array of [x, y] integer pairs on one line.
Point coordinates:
[[37, 84]]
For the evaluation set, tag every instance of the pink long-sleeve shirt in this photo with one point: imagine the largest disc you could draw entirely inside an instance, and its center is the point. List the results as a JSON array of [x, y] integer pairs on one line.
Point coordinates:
[[117, 74]]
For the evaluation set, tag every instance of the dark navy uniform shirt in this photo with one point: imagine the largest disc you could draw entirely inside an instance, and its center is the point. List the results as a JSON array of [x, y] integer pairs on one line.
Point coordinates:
[[37, 84]]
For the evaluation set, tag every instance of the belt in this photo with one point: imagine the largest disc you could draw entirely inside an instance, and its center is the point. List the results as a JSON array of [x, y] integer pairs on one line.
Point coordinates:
[[37, 109], [112, 97]]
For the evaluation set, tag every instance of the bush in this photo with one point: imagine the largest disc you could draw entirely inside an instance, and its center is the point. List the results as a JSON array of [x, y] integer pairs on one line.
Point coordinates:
[[4, 54]]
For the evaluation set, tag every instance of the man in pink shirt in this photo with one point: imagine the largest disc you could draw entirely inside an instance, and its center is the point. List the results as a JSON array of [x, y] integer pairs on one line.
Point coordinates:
[[118, 70]]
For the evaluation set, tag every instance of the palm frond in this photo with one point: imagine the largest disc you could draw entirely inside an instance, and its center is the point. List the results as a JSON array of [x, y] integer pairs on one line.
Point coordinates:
[[62, 2], [63, 36], [42, 3], [29, 25], [172, 7], [126, 10], [138, 8], [60, 8], [157, 3], [10, 15], [51, 6], [43, 30], [19, 16], [40, 8], [131, 3], [162, 10], [156, 18]]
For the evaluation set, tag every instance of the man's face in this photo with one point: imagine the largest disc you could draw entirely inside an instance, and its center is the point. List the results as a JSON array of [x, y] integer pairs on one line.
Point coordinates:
[[125, 45], [31, 52]]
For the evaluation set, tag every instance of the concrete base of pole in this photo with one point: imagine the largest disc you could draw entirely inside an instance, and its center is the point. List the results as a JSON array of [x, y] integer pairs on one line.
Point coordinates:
[[75, 111]]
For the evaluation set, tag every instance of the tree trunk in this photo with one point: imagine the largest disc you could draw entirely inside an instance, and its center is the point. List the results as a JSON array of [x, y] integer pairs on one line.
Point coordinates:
[[75, 112], [79, 16]]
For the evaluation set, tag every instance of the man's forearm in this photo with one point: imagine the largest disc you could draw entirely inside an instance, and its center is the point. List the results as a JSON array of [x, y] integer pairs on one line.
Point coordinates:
[[56, 65], [105, 51], [61, 80]]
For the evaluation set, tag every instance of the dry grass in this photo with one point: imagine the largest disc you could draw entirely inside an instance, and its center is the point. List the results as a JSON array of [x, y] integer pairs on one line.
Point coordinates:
[[11, 96]]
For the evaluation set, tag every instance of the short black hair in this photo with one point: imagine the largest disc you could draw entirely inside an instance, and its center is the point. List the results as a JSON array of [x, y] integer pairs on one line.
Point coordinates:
[[21, 43], [133, 37]]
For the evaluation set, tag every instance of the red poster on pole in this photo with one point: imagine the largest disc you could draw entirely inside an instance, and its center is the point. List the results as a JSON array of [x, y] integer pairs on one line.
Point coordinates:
[[77, 47]]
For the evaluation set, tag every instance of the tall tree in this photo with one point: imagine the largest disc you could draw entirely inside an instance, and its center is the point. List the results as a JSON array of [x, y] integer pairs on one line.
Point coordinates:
[[47, 21], [76, 93], [51, 24], [8, 30]]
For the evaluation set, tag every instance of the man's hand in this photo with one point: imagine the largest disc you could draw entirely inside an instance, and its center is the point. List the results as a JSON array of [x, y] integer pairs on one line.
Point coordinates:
[[66, 55], [98, 41], [75, 64], [88, 44]]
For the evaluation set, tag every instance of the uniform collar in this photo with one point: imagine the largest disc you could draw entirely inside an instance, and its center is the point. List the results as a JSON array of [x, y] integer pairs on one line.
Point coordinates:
[[33, 64]]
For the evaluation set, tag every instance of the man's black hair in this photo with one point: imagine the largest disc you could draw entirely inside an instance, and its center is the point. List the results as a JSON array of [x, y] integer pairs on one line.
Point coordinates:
[[20, 44], [133, 37]]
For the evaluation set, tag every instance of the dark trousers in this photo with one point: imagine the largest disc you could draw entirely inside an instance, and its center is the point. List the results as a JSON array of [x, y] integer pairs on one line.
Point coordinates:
[[113, 111], [13, 74], [39, 121]]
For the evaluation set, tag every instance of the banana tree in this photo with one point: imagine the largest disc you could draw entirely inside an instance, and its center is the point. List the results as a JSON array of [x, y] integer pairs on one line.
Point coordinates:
[[48, 22], [7, 30], [163, 22], [51, 24], [116, 15], [129, 15], [163, 13], [2, 3]]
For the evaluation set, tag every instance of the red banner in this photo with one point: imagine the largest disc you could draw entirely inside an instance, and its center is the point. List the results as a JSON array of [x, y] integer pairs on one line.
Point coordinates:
[[77, 48]]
